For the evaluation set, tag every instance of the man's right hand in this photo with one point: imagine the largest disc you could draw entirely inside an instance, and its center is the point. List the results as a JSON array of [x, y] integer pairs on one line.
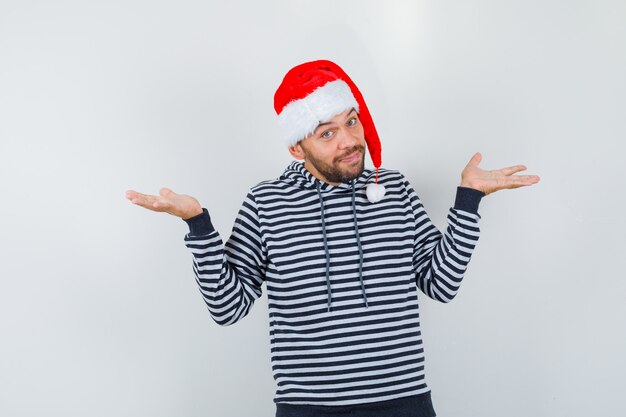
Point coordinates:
[[179, 205]]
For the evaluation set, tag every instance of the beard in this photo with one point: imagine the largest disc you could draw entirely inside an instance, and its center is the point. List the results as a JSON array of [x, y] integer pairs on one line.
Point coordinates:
[[335, 172]]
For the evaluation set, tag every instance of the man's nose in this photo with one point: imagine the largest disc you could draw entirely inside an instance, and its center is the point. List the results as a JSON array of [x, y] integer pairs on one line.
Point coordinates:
[[347, 139]]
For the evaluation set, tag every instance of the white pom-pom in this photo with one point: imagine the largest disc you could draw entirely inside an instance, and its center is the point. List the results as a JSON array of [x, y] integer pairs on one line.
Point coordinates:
[[375, 192]]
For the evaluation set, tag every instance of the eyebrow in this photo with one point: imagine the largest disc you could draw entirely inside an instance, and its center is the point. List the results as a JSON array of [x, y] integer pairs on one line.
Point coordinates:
[[327, 123]]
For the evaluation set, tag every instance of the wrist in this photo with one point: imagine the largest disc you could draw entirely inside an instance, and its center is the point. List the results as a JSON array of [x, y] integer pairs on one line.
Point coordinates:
[[469, 185], [191, 214], [468, 198], [200, 224]]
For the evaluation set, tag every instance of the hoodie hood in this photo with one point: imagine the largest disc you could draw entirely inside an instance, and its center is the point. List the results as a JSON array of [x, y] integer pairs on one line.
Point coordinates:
[[298, 176]]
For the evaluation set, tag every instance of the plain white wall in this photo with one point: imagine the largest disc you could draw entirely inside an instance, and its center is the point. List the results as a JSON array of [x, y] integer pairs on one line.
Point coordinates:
[[99, 310]]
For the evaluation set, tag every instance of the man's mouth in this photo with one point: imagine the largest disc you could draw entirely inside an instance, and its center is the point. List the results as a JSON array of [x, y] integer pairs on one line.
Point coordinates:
[[352, 157]]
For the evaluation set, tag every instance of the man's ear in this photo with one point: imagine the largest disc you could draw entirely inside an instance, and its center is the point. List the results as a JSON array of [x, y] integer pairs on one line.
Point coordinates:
[[296, 151]]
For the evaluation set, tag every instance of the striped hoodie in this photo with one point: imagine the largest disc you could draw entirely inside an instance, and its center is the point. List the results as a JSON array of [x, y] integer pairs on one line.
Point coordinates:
[[341, 277]]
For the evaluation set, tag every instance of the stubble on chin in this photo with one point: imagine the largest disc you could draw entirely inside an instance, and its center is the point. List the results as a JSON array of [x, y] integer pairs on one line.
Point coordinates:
[[348, 175], [334, 173]]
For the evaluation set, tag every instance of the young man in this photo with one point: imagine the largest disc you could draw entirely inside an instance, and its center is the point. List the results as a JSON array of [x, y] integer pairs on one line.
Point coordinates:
[[342, 250]]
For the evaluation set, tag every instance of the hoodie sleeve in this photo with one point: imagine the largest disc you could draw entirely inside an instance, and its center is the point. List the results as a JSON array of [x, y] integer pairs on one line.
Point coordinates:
[[229, 275], [440, 260]]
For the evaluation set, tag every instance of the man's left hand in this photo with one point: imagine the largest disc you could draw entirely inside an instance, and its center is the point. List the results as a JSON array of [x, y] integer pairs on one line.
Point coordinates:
[[494, 180]]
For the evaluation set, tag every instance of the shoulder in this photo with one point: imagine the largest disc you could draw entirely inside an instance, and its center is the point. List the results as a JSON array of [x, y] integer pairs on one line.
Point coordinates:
[[391, 177], [396, 182], [269, 186], [270, 192]]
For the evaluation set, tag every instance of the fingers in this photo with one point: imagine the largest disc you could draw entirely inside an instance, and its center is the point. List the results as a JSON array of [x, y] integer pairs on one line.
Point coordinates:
[[531, 179], [517, 181], [151, 202], [135, 197], [512, 169], [143, 200], [129, 194]]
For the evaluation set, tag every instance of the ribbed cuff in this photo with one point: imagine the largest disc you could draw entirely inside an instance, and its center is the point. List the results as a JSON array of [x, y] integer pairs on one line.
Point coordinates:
[[468, 199], [201, 224]]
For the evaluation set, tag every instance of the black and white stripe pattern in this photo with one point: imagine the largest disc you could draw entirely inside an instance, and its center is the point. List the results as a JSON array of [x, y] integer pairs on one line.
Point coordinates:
[[352, 354]]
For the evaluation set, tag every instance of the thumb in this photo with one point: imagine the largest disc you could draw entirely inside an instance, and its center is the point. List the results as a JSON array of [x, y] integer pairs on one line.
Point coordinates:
[[476, 158], [166, 192]]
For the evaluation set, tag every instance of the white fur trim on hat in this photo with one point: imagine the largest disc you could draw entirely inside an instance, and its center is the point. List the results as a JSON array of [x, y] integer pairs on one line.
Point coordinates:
[[300, 117]]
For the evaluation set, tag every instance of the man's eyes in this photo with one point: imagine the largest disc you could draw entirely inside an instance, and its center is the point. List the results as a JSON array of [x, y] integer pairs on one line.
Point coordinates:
[[350, 123]]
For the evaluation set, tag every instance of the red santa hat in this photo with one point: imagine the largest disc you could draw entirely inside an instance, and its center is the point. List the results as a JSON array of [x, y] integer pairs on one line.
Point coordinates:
[[312, 93]]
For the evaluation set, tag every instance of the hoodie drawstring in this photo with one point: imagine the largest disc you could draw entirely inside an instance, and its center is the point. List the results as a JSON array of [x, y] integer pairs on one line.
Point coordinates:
[[319, 193], [358, 240]]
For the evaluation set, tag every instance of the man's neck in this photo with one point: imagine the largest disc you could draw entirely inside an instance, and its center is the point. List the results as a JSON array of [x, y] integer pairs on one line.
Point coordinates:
[[319, 176]]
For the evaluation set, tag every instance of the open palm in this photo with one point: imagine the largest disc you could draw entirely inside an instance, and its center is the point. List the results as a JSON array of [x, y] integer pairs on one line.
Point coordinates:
[[179, 205], [494, 180]]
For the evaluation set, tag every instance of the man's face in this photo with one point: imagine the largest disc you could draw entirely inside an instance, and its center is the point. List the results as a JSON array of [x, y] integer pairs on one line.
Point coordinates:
[[335, 152]]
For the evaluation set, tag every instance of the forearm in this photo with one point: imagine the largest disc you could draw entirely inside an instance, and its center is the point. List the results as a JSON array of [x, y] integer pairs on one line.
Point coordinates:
[[444, 258], [227, 278]]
